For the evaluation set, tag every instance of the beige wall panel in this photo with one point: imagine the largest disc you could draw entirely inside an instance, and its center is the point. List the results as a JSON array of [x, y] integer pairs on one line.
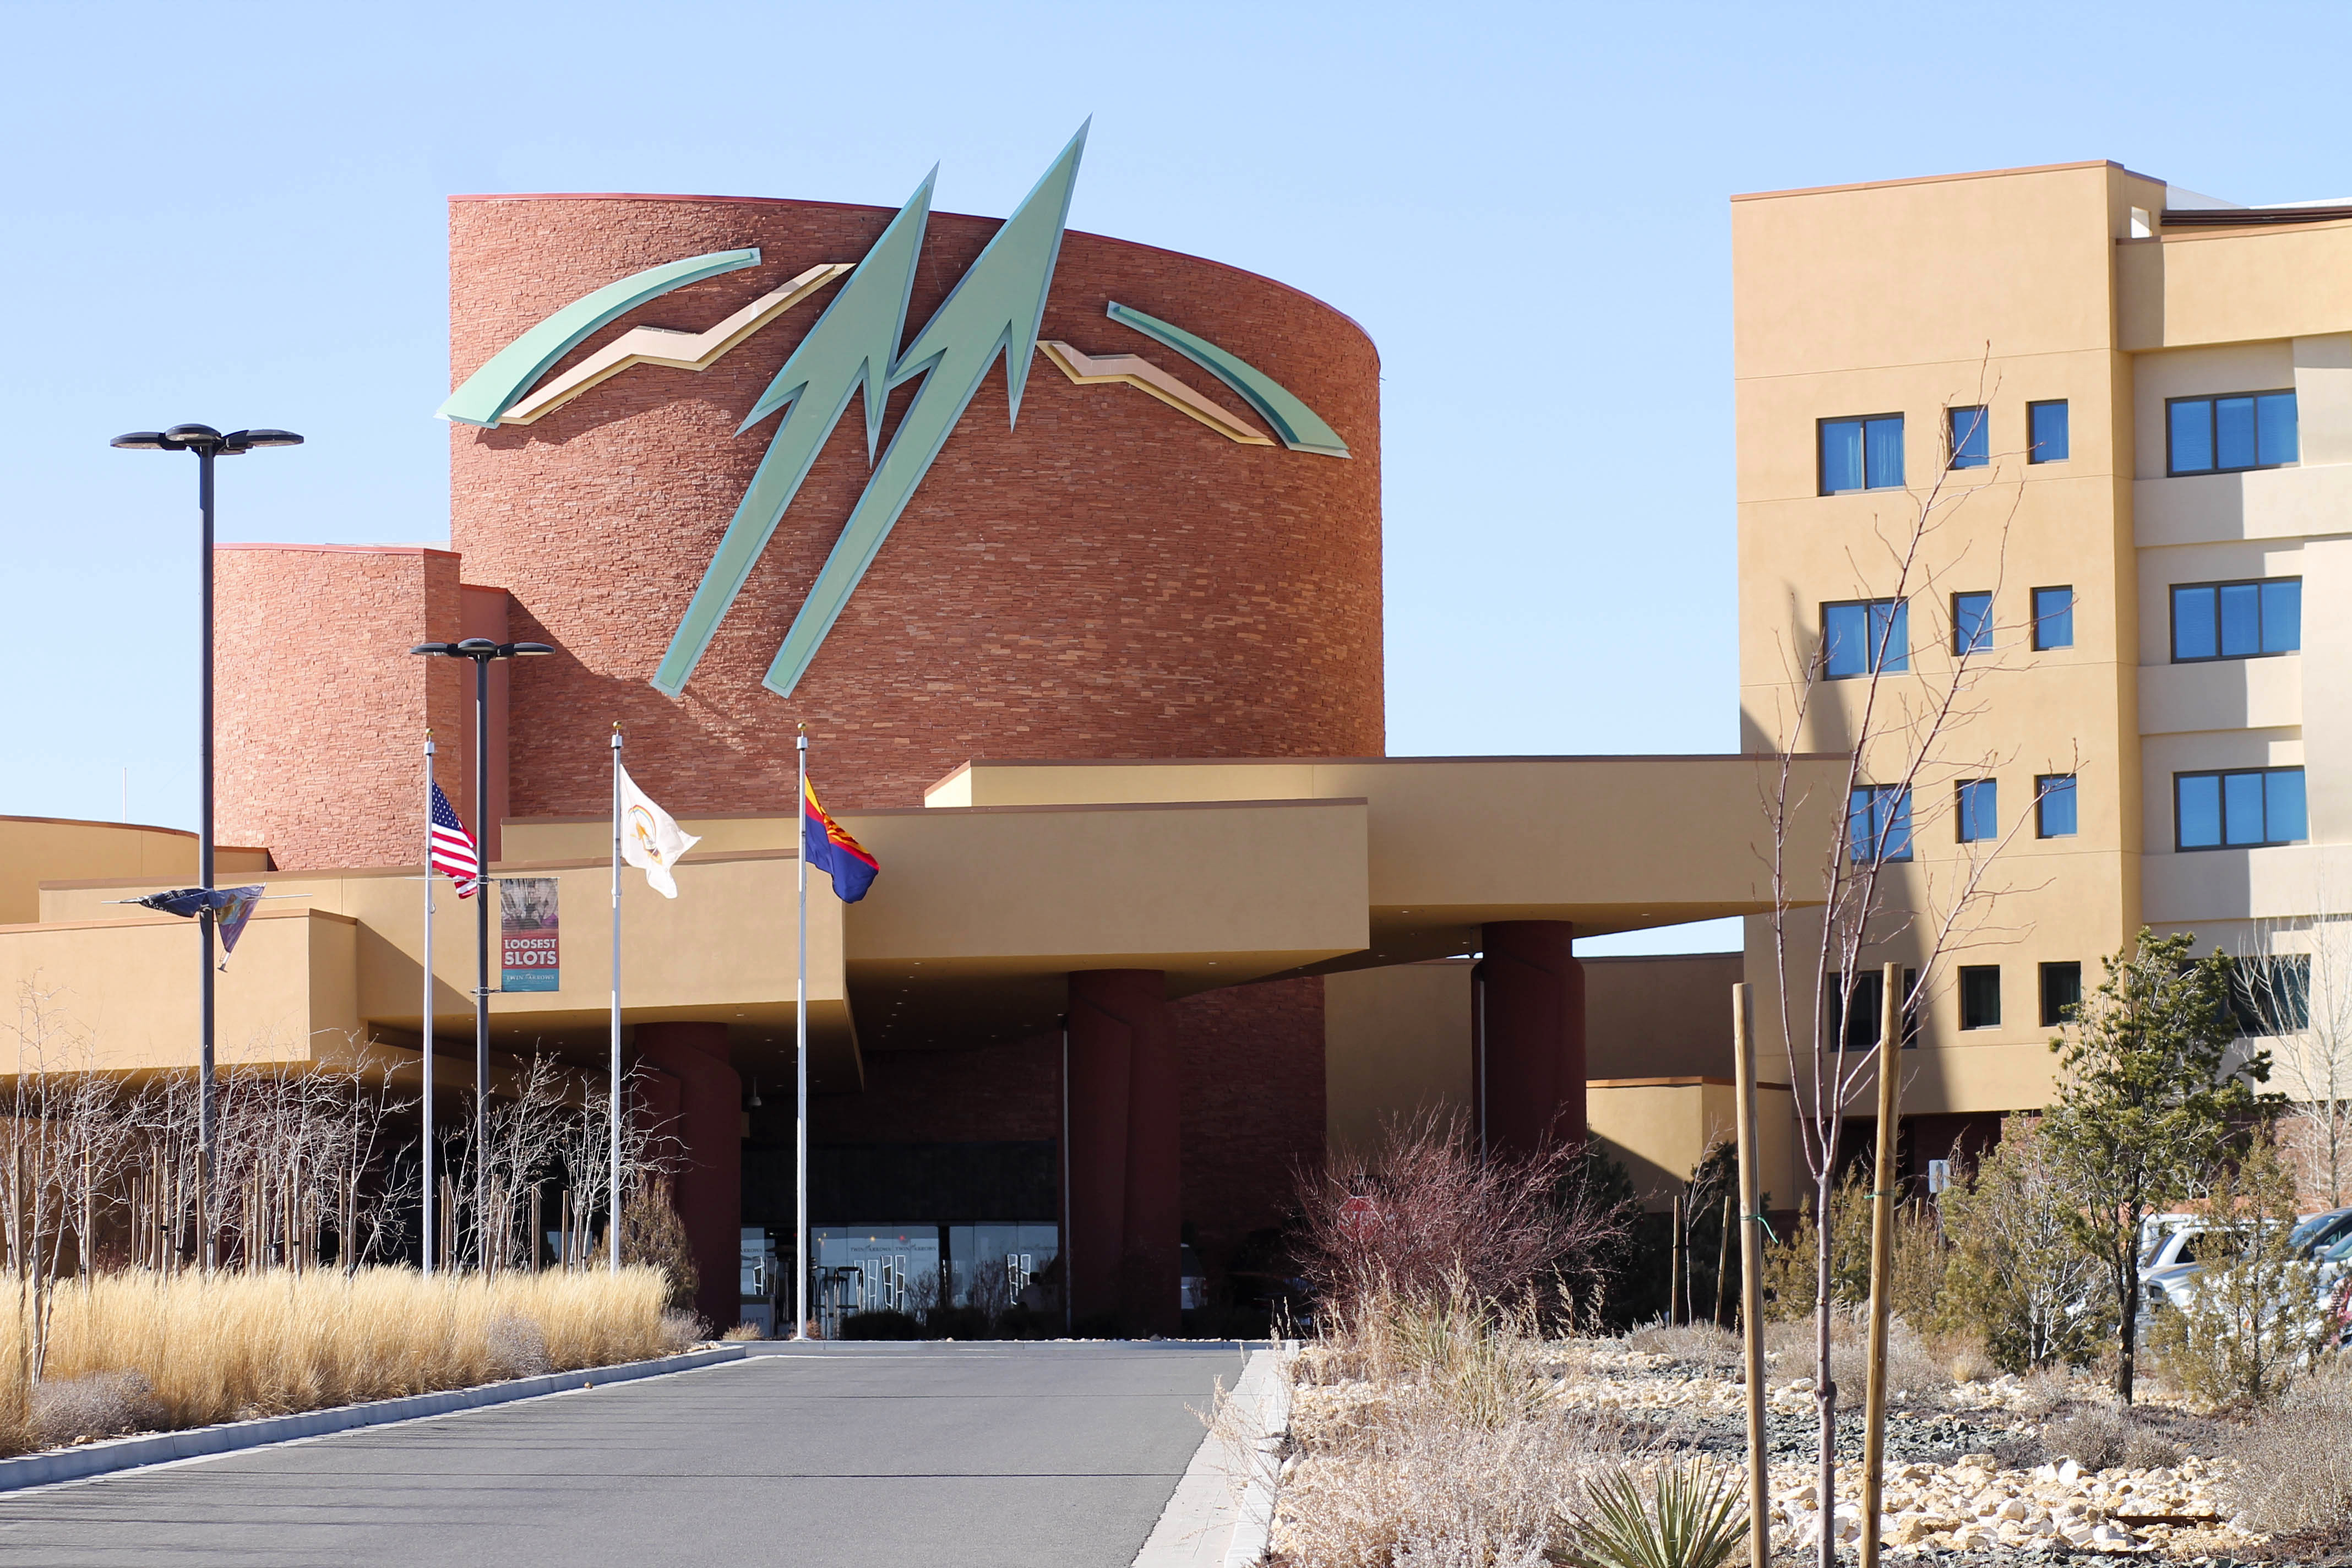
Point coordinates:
[[2323, 398], [2224, 694], [2285, 882], [1661, 1132], [1667, 1015], [2268, 503], [1830, 280], [2326, 660], [2190, 289], [1394, 1041], [1256, 888], [125, 991], [1126, 784], [529, 838], [36, 850]]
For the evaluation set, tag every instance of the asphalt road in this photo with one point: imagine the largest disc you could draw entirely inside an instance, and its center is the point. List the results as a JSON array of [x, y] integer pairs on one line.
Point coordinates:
[[974, 1455]]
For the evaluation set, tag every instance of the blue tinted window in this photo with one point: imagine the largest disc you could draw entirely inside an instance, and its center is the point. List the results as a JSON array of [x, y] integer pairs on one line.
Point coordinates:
[[2054, 618], [2197, 810], [2275, 440], [1854, 634], [1878, 824], [2193, 435], [1971, 448], [2233, 433], [1841, 456], [2254, 430], [1972, 623], [2283, 814], [2237, 620], [2241, 808], [1883, 453], [2046, 425], [2053, 811], [2283, 616], [2195, 632], [2238, 809], [1979, 811]]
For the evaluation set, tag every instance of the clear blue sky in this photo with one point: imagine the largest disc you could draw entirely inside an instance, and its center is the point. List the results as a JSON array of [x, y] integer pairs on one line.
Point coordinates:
[[240, 222]]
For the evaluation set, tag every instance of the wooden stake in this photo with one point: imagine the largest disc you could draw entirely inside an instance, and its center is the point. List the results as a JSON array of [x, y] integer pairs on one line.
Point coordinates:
[[1882, 1256], [1752, 1274], [1723, 1259], [1677, 1284]]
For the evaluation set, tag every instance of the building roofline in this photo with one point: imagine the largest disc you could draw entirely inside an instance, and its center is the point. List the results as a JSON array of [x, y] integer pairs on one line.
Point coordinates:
[[346, 549], [964, 767], [1939, 179]]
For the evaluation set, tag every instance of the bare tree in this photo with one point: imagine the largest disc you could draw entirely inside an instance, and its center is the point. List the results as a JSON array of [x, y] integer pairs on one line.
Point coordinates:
[[1899, 708], [2304, 998]]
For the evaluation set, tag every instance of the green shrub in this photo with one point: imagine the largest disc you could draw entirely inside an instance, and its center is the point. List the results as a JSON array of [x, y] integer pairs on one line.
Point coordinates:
[[1693, 1516]]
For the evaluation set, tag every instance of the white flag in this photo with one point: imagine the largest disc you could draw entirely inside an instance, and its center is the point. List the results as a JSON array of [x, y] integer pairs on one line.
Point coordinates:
[[649, 839]]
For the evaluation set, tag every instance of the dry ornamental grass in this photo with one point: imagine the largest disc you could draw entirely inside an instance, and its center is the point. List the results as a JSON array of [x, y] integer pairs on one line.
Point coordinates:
[[142, 1349]]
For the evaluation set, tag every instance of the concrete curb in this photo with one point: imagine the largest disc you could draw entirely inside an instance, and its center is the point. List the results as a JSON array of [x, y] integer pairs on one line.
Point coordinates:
[[1222, 1511], [202, 1442]]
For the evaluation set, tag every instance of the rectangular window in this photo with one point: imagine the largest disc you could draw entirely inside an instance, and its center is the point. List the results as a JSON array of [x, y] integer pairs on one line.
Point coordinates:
[[2272, 996], [2045, 424], [1856, 1029], [2238, 810], [2054, 618], [1979, 810], [2230, 435], [2061, 992], [1972, 623], [2236, 620], [1862, 454], [1864, 634], [1981, 996], [1971, 449], [1878, 823], [2054, 805]]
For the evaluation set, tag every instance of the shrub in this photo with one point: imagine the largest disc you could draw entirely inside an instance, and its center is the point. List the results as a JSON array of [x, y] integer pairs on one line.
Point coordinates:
[[2020, 1282], [1424, 1211], [883, 1324], [652, 1234], [2105, 1436], [2293, 1475], [2250, 1320], [1699, 1344], [1694, 1516], [516, 1347], [95, 1404]]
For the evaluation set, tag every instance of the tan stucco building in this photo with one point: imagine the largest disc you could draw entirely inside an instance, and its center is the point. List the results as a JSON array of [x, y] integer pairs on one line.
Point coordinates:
[[2130, 408]]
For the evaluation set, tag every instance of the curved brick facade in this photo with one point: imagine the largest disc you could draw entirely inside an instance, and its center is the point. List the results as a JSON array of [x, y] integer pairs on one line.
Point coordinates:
[[1110, 579]]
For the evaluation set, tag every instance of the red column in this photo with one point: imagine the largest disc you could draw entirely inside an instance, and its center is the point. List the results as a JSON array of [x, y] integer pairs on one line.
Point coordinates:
[[709, 1190], [1534, 1027], [1125, 1201]]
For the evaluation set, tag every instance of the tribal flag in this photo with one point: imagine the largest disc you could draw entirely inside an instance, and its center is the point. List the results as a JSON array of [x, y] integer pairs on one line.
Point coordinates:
[[231, 907], [454, 853], [833, 851], [649, 836]]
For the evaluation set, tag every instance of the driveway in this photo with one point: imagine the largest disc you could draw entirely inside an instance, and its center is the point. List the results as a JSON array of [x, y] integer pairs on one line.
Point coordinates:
[[971, 1454]]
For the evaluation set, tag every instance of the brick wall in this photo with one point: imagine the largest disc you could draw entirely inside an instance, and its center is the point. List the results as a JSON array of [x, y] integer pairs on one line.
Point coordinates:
[[1252, 1105], [321, 711], [1110, 579]]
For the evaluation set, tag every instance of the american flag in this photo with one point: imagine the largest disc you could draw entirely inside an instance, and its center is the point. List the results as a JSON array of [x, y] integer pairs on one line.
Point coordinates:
[[454, 853]]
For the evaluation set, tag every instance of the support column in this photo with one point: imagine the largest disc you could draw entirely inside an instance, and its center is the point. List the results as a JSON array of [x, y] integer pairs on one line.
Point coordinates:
[[709, 1190], [1125, 1202], [1533, 1088]]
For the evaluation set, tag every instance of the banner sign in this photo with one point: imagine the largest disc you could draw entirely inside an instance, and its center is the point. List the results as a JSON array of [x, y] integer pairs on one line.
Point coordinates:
[[526, 935]]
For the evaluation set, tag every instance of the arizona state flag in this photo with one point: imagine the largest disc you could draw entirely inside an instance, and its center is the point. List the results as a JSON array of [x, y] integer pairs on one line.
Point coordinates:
[[825, 846]]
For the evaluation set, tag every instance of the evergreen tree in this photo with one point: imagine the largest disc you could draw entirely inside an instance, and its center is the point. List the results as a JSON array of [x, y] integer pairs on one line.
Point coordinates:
[[2153, 1092]]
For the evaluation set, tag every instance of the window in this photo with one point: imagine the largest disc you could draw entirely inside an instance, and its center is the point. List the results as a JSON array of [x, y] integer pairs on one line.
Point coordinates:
[[2236, 620], [2238, 810], [2054, 805], [1972, 623], [1864, 636], [1864, 454], [1979, 810], [2054, 618], [2061, 992], [2045, 425], [1878, 823], [1970, 449], [1981, 996], [1856, 1029], [2272, 996], [2230, 435]]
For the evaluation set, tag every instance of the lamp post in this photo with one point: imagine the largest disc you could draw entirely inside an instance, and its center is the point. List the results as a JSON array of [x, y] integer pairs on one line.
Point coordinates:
[[483, 652], [207, 444]]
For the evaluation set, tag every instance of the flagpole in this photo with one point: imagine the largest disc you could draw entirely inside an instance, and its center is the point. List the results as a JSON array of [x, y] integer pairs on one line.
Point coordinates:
[[425, 1032], [612, 1167], [800, 1060]]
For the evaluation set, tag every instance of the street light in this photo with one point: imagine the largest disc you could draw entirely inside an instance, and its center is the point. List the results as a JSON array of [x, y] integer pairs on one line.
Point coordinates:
[[206, 443], [483, 652]]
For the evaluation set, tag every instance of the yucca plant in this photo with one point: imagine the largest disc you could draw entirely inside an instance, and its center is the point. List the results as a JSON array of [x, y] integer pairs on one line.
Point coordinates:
[[1693, 1516]]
